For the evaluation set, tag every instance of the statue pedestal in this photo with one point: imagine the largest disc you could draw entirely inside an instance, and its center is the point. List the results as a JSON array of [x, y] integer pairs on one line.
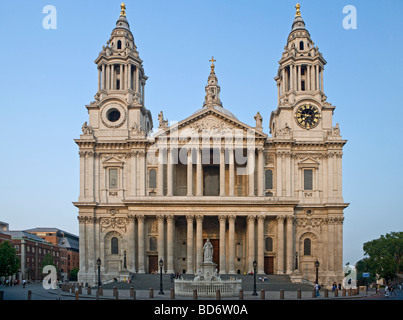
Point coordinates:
[[208, 269]]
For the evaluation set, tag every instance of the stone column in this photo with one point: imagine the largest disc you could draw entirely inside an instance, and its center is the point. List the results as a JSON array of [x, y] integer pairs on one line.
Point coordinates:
[[133, 174], [160, 174], [199, 173], [298, 78], [190, 174], [161, 238], [170, 174], [231, 244], [141, 259], [103, 77], [170, 243], [251, 241], [290, 241], [131, 245], [321, 80], [280, 245], [317, 77], [260, 244], [82, 244], [199, 240], [308, 78], [222, 172], [223, 220], [231, 181], [142, 178], [260, 173], [190, 266], [82, 176], [91, 176], [251, 171], [330, 244]]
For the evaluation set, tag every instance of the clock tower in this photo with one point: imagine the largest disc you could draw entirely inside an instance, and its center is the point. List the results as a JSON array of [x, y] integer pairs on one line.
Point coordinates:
[[302, 106]]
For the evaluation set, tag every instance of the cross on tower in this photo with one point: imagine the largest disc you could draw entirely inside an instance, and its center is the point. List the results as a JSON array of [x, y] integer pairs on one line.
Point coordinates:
[[212, 63]]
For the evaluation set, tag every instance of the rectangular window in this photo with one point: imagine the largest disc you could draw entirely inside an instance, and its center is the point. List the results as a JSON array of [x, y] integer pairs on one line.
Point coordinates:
[[308, 179], [113, 178]]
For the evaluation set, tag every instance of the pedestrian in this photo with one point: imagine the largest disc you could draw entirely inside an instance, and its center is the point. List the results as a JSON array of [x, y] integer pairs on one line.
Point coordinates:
[[317, 290], [23, 283]]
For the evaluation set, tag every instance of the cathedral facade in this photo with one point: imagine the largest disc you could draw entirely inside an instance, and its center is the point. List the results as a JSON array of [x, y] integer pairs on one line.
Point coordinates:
[[267, 201]]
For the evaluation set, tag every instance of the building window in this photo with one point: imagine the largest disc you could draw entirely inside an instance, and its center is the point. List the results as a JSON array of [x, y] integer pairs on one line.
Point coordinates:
[[301, 45], [113, 178], [308, 179], [307, 247], [114, 245], [269, 244], [152, 178], [269, 179], [119, 44]]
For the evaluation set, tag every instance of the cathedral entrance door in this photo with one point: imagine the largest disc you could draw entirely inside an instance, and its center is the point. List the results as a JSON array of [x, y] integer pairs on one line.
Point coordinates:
[[269, 265], [216, 251], [211, 180], [152, 264]]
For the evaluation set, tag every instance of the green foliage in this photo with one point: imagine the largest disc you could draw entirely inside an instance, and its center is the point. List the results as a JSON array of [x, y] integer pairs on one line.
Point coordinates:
[[48, 260], [384, 256], [9, 263], [73, 274]]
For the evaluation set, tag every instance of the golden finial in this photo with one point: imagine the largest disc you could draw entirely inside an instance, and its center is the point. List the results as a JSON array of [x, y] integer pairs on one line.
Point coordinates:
[[123, 9], [298, 13], [212, 63]]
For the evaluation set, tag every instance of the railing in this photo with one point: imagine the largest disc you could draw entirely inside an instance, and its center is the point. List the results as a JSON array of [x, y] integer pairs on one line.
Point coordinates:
[[228, 288]]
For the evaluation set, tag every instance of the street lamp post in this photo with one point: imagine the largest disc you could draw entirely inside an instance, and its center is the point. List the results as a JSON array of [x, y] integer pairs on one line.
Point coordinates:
[[99, 272], [161, 263], [317, 271], [254, 278]]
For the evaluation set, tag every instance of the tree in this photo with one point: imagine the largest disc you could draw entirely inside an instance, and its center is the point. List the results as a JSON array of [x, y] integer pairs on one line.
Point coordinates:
[[385, 255], [73, 274], [9, 263]]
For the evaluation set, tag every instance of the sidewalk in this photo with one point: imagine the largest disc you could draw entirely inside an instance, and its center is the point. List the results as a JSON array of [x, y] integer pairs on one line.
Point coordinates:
[[247, 295]]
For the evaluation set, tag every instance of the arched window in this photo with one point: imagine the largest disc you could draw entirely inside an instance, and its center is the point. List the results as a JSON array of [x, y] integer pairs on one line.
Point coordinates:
[[301, 45], [114, 245], [269, 244], [119, 44], [152, 178], [153, 244], [269, 179], [307, 247]]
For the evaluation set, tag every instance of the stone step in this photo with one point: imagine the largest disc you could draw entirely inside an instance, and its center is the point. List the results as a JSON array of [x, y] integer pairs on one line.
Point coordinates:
[[273, 282]]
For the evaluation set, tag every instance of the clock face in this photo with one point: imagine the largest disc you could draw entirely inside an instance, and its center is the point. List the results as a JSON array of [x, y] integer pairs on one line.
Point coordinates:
[[307, 116]]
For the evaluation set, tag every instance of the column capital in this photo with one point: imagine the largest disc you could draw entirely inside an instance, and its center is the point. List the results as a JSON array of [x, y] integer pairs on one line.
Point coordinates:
[[190, 218], [222, 218], [160, 217], [199, 218], [251, 217], [140, 217], [231, 218], [170, 218], [261, 218], [280, 218]]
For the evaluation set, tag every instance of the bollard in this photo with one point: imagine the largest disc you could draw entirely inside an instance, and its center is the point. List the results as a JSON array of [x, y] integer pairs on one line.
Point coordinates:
[[218, 294], [172, 293], [194, 294], [343, 292], [115, 290], [281, 294], [299, 294], [97, 295], [313, 293], [336, 292], [29, 294], [80, 289], [101, 291], [131, 292], [358, 291], [349, 292], [117, 295], [77, 295], [326, 293], [241, 294], [151, 293], [262, 294], [89, 290]]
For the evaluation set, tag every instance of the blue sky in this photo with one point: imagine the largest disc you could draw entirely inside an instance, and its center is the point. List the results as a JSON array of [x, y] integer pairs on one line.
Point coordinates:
[[48, 76]]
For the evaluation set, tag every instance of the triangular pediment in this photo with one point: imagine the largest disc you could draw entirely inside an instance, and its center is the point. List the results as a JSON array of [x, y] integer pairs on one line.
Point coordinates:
[[308, 162], [210, 121], [112, 162]]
